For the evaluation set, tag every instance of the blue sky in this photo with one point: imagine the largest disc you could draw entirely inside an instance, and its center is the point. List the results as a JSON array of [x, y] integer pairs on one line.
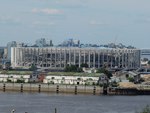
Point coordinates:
[[91, 21]]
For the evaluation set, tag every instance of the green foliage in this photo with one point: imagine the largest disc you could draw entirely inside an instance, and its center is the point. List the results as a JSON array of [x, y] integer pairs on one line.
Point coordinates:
[[74, 74], [33, 67], [53, 78], [8, 80], [131, 79], [145, 59], [90, 79], [146, 110], [149, 62], [105, 71], [1, 67], [101, 85], [78, 79], [72, 68], [7, 66], [20, 81], [114, 84], [51, 82], [79, 70], [84, 65], [127, 75], [16, 72]]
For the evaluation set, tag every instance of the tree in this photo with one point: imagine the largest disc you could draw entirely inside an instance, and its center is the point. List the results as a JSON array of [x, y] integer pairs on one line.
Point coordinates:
[[33, 67], [7, 66], [148, 62], [105, 71], [131, 79], [1, 67], [145, 59], [114, 84], [79, 69], [20, 81], [84, 65], [72, 68]]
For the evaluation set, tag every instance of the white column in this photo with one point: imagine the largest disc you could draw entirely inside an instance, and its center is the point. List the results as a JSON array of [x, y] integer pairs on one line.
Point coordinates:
[[69, 57], [93, 58], [89, 58], [74, 57], [84, 56], [55, 56], [65, 58], [103, 59], [98, 59], [51, 57], [79, 58], [122, 59], [60, 58]]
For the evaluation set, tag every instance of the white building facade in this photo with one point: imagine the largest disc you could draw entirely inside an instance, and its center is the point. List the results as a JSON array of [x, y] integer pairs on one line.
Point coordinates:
[[59, 57], [71, 80]]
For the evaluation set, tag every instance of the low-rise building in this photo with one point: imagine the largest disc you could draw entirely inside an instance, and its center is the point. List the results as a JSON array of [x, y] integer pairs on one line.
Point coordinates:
[[14, 78], [70, 80]]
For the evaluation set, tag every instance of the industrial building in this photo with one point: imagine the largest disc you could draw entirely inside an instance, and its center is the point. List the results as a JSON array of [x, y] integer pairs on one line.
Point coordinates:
[[59, 57]]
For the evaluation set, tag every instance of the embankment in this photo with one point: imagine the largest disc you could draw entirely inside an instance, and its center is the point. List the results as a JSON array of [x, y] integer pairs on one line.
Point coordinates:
[[36, 87]]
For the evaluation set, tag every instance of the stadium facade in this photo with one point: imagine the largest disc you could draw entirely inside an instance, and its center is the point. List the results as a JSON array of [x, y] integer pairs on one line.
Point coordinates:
[[59, 57]]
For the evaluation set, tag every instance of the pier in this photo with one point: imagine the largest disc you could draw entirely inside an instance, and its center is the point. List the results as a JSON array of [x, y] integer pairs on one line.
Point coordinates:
[[128, 91]]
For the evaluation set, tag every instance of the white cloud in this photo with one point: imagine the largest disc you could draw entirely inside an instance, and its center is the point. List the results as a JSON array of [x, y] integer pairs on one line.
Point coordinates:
[[47, 11]]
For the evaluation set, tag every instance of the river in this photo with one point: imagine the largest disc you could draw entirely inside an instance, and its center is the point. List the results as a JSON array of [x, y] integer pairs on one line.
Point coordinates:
[[67, 103]]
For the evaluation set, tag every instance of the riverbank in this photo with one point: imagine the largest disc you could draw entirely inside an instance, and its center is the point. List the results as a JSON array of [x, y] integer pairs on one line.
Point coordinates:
[[36, 87], [71, 89]]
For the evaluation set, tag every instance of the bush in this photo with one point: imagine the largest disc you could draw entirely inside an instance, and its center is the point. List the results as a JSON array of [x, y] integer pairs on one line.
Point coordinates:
[[84, 65], [33, 67], [131, 79], [114, 84], [9, 81], [146, 110], [73, 68], [20, 81], [105, 71]]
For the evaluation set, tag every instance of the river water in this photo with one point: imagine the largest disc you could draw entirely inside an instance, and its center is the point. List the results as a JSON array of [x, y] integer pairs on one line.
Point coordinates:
[[65, 103]]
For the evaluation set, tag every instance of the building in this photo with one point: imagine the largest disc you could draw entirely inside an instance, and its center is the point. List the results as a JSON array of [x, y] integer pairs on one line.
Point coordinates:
[[43, 43], [78, 80], [1, 53], [12, 44], [124, 76], [145, 53], [59, 57], [14, 78], [9, 45], [70, 43]]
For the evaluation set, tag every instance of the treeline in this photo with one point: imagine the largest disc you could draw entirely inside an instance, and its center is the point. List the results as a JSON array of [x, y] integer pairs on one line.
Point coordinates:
[[73, 68]]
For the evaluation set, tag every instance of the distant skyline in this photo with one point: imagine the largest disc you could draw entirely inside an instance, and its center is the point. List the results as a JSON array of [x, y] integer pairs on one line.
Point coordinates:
[[90, 21]]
